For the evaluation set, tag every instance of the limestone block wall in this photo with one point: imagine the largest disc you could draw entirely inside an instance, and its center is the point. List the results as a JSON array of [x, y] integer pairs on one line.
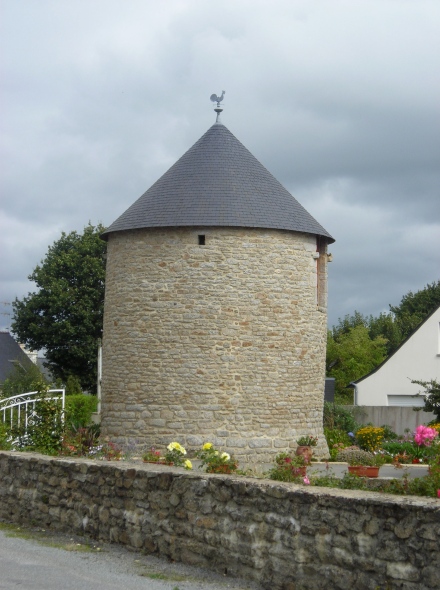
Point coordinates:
[[285, 537], [222, 342]]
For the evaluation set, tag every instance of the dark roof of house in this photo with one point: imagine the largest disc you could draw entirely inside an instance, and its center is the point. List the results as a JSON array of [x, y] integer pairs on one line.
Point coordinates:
[[10, 353], [218, 182], [397, 349]]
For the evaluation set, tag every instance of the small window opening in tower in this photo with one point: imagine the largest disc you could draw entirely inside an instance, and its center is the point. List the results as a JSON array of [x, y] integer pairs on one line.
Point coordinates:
[[201, 240]]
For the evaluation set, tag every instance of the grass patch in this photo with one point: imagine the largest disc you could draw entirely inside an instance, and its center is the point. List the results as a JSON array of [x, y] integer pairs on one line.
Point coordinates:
[[153, 575], [45, 538]]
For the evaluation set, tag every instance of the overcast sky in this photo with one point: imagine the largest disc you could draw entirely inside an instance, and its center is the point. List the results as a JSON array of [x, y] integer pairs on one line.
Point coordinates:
[[340, 100]]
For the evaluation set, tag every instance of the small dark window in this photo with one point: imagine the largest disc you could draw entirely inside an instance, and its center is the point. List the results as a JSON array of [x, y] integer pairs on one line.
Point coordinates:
[[201, 240]]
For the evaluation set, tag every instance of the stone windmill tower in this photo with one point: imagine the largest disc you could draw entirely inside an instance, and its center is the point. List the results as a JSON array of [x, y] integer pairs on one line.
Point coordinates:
[[215, 309]]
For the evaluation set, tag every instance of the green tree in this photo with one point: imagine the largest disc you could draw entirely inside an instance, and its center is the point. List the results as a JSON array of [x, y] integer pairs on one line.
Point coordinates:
[[386, 326], [65, 315], [22, 380], [415, 307], [350, 356], [348, 323], [399, 322], [432, 396]]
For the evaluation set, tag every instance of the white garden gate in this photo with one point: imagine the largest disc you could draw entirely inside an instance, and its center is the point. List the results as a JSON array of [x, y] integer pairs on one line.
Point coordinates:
[[19, 410]]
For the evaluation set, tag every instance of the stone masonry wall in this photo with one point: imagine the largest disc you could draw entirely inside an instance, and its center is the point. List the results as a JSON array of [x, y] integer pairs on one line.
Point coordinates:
[[222, 342], [283, 536]]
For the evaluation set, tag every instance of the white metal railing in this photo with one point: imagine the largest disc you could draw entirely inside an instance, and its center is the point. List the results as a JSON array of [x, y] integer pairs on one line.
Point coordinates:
[[18, 410]]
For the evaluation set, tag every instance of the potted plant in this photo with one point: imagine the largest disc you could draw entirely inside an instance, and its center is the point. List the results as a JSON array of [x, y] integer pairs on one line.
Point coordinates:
[[175, 455], [153, 456], [215, 461], [305, 447], [362, 463], [288, 467]]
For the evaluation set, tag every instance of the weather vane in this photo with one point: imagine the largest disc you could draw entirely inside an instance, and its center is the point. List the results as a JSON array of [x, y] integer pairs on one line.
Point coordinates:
[[218, 100]]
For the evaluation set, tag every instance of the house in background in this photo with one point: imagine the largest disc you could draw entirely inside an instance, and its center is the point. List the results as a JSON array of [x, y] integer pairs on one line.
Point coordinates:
[[418, 357], [11, 354]]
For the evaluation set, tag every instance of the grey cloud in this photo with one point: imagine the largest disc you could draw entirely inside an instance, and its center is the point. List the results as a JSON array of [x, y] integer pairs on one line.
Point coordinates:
[[338, 100]]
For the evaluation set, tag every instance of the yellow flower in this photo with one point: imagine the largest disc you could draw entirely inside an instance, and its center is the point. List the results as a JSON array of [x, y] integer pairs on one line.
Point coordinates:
[[187, 464], [175, 446], [225, 456], [207, 446]]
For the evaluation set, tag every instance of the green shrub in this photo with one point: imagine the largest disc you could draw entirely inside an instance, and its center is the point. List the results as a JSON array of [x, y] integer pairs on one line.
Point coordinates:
[[337, 440], [399, 448], [288, 468], [388, 433], [356, 457], [339, 418], [419, 486], [5, 435], [370, 438], [44, 430], [73, 385], [79, 410], [352, 482], [79, 441]]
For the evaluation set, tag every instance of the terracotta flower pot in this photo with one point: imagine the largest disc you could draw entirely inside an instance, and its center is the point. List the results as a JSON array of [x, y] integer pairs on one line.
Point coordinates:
[[364, 470], [306, 452]]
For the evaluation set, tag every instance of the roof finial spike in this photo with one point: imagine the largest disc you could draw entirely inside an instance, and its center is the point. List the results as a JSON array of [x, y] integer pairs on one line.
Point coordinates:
[[218, 100]]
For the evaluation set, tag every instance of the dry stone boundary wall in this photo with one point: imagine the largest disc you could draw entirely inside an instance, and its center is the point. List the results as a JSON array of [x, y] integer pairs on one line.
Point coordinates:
[[281, 535]]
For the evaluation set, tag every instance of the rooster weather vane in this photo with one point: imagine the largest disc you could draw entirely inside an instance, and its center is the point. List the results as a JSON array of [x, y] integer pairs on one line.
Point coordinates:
[[218, 100]]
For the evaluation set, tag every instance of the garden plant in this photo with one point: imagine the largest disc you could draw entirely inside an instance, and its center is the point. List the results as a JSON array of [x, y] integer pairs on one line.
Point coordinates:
[[215, 461]]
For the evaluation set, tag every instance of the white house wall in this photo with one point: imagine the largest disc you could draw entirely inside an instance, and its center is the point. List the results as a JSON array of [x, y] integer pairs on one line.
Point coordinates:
[[418, 358]]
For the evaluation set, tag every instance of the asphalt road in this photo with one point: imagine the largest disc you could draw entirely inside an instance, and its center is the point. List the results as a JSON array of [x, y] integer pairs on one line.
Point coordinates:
[[44, 561]]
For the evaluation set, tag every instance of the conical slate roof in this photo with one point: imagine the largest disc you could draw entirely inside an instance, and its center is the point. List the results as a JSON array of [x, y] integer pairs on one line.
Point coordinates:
[[218, 182]]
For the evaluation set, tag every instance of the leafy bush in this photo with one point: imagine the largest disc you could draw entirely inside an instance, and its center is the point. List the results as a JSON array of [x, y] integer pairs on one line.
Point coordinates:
[[388, 433], [288, 468], [352, 482], [5, 437], [356, 457], [432, 396], [337, 440], [215, 461], [419, 486], [396, 447], [339, 418], [45, 428], [79, 441], [73, 385], [370, 438], [79, 410]]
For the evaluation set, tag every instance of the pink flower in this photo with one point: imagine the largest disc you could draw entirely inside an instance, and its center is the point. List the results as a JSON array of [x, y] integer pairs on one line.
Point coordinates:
[[423, 436], [438, 493], [306, 480]]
